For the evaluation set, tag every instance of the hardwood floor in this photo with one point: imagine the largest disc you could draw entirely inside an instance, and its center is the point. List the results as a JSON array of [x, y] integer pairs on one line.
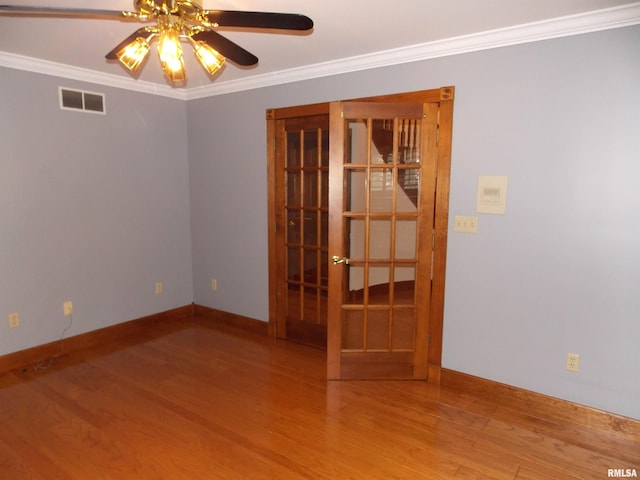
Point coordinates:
[[195, 400]]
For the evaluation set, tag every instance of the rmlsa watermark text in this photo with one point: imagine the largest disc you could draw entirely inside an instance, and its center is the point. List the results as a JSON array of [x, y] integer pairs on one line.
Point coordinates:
[[622, 473]]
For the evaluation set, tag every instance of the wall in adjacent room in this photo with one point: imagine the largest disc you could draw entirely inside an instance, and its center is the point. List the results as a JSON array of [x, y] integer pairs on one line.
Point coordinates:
[[558, 273], [93, 209]]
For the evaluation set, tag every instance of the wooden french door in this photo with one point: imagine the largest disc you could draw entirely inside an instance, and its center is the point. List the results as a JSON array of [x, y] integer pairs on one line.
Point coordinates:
[[370, 184], [382, 199], [303, 163]]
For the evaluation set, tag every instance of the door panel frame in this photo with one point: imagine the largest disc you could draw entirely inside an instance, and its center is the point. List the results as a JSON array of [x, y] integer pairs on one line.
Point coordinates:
[[443, 97]]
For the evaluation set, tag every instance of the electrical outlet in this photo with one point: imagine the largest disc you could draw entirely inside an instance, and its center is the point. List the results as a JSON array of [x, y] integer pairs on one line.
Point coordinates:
[[14, 320], [158, 288], [67, 308], [573, 362], [214, 284]]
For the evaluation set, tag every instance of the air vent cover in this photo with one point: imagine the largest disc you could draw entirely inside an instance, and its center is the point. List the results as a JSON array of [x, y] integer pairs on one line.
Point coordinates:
[[81, 101]]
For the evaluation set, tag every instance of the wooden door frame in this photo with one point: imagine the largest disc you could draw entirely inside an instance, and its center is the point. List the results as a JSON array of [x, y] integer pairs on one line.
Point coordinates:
[[444, 96]]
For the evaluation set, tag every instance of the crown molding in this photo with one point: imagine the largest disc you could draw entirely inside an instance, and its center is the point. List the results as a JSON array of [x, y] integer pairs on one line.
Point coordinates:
[[37, 65], [597, 20]]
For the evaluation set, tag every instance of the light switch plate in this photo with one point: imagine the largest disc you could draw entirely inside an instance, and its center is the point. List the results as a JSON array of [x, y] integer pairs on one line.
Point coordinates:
[[464, 224], [492, 194]]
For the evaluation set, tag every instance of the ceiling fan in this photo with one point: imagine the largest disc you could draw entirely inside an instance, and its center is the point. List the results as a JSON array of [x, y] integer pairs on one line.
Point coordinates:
[[172, 22]]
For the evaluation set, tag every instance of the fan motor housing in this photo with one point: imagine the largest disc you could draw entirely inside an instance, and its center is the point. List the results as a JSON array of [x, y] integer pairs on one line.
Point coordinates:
[[158, 7]]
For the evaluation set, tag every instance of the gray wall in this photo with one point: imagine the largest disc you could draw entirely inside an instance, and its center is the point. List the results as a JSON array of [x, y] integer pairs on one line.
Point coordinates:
[[558, 273], [93, 209]]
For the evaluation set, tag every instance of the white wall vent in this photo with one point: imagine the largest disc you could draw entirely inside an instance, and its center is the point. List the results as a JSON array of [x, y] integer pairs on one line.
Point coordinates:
[[81, 101]]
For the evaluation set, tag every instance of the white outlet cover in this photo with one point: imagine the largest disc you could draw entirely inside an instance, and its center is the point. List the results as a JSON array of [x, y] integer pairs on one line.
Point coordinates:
[[14, 320], [492, 194]]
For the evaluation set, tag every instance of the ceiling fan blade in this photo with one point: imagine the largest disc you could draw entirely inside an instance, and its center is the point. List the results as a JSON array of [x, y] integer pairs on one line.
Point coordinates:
[[283, 21], [141, 32], [226, 47], [60, 12]]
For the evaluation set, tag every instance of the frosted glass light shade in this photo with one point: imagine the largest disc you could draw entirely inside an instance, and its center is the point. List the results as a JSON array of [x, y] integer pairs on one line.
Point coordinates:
[[134, 53], [209, 58], [170, 52]]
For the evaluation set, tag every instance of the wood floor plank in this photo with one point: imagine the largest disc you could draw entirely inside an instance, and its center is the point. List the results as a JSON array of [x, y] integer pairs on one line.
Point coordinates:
[[191, 399], [20, 460]]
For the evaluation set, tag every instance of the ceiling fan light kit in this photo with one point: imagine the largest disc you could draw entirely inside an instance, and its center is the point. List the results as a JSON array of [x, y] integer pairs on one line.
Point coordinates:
[[178, 21], [134, 53], [209, 58], [170, 52]]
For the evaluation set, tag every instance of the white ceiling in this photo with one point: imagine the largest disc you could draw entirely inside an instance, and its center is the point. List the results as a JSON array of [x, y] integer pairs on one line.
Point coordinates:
[[349, 33]]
